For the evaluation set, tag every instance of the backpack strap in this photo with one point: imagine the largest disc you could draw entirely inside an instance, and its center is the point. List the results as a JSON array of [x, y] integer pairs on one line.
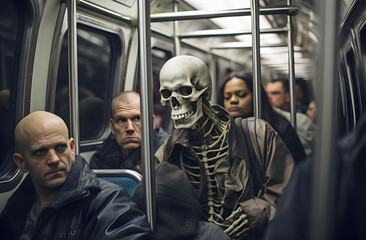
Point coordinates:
[[254, 166]]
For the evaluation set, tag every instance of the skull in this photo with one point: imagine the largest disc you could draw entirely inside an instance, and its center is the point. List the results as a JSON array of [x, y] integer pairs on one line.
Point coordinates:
[[184, 81]]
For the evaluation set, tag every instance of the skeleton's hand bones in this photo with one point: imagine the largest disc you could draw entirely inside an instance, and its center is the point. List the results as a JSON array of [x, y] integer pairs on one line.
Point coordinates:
[[239, 224]]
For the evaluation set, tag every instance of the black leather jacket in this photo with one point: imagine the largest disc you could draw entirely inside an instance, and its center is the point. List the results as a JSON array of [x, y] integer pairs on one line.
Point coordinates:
[[85, 208], [109, 154]]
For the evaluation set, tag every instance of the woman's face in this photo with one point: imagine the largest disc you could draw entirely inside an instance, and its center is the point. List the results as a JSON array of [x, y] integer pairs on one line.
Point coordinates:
[[238, 99]]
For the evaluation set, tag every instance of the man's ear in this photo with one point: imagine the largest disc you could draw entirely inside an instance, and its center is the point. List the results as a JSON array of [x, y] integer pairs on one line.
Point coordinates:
[[154, 122], [111, 126], [72, 146], [19, 161]]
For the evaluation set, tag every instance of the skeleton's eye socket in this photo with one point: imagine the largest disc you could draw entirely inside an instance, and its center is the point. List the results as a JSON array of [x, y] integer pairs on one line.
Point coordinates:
[[166, 93], [185, 91]]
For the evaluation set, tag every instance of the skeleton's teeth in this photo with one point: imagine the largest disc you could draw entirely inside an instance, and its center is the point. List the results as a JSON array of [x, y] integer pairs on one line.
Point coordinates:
[[182, 117]]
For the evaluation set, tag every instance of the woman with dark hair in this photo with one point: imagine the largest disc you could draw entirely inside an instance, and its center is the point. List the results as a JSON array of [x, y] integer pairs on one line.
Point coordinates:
[[236, 96]]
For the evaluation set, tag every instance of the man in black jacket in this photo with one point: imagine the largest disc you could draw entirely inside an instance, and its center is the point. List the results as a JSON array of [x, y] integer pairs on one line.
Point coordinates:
[[122, 148], [61, 198]]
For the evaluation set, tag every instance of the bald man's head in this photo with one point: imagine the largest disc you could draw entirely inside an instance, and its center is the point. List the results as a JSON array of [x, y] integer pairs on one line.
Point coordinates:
[[35, 123], [44, 150], [127, 97]]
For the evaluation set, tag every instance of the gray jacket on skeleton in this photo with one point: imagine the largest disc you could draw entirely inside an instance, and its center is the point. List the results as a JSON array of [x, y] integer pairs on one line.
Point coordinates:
[[231, 172]]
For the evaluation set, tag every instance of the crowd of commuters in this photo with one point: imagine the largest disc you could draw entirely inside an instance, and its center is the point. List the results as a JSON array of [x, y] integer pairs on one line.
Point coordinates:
[[61, 197], [236, 95]]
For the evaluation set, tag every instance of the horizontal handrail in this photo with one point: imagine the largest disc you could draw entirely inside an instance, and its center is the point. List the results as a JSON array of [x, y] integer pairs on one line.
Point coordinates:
[[228, 32], [242, 45], [205, 14], [118, 172], [104, 11]]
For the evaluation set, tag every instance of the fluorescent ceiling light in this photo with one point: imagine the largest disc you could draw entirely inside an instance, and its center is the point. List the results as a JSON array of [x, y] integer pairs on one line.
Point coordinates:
[[235, 22]]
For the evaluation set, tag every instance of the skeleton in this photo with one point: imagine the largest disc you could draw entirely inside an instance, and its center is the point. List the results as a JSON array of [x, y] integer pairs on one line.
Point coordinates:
[[186, 90]]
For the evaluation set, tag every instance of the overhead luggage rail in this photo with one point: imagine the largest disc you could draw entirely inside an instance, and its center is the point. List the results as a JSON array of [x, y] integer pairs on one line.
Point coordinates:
[[229, 45], [204, 14], [226, 32]]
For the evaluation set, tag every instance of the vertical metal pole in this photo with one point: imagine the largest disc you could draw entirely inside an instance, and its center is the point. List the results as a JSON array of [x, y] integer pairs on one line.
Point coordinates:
[[213, 71], [176, 31], [254, 8], [73, 73], [145, 67], [291, 68], [323, 202]]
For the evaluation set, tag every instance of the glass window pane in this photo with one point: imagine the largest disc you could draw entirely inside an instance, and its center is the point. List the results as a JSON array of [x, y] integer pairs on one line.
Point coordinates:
[[94, 68], [12, 21]]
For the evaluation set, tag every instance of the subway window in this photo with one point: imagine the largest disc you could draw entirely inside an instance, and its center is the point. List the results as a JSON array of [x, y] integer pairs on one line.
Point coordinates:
[[162, 114], [346, 100], [363, 62], [355, 86], [13, 17], [97, 53]]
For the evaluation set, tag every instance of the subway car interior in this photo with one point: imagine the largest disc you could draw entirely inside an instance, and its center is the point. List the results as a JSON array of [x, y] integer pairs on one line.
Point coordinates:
[[72, 57]]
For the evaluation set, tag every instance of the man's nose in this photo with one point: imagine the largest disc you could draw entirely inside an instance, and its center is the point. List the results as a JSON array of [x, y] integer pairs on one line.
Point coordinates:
[[52, 157], [130, 126]]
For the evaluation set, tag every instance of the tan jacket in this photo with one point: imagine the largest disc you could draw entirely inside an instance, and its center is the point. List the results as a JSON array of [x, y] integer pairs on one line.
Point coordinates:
[[275, 161]]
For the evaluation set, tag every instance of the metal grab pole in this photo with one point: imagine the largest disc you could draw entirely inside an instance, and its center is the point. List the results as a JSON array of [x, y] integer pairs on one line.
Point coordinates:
[[176, 31], [325, 165], [73, 73], [254, 6], [291, 71], [146, 108]]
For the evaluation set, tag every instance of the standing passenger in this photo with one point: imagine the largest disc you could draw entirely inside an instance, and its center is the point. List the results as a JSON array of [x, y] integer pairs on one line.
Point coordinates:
[[279, 97], [122, 148], [61, 198], [236, 95]]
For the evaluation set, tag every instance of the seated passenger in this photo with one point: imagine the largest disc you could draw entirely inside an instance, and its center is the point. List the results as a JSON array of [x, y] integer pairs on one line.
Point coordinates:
[[208, 146], [236, 95], [279, 97], [178, 212], [61, 198], [122, 148], [311, 111], [304, 94]]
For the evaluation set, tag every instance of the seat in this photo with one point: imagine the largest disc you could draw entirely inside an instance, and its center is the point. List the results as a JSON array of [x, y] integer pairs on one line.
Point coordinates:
[[125, 178]]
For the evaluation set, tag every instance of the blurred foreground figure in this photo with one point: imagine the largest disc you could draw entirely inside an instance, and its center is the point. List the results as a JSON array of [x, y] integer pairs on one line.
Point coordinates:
[[209, 146], [292, 219], [178, 213], [61, 198]]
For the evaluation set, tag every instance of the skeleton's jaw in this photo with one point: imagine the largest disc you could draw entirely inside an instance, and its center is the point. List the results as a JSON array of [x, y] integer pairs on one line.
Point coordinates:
[[189, 118]]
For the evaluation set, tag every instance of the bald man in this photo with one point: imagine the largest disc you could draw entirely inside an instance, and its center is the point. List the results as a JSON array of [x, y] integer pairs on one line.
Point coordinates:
[[121, 150], [61, 198]]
